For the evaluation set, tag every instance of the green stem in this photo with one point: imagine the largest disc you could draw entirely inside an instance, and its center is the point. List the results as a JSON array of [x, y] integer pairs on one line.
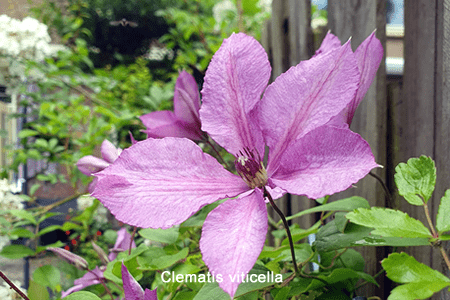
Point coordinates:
[[286, 226]]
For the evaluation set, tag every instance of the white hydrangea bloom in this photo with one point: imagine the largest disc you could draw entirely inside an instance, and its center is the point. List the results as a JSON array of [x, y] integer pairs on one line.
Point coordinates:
[[23, 40], [7, 199], [6, 293]]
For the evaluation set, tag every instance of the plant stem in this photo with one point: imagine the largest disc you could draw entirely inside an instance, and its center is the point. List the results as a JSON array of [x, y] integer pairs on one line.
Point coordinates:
[[286, 226], [60, 202], [433, 231], [131, 240], [385, 188], [12, 285]]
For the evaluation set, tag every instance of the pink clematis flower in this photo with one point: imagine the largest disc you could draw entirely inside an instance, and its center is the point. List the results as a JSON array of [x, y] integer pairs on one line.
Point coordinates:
[[89, 165], [159, 183], [92, 277], [368, 57], [123, 242], [95, 276], [184, 121], [133, 291]]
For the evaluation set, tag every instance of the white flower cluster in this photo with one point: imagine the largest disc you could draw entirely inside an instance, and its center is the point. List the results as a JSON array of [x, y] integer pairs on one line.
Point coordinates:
[[27, 39], [7, 199], [6, 293], [19, 41]]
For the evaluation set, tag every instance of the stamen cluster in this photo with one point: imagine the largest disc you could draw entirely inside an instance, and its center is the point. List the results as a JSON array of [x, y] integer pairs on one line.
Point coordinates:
[[250, 167]]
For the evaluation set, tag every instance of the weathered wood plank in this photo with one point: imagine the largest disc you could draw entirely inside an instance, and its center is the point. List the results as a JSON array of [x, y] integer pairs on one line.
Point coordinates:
[[442, 121], [357, 19]]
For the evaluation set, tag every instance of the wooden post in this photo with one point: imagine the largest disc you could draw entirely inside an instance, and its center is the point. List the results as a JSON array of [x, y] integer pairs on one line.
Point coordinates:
[[422, 117], [358, 19]]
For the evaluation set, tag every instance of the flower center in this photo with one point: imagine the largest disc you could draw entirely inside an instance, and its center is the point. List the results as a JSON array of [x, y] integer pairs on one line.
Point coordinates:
[[251, 169]]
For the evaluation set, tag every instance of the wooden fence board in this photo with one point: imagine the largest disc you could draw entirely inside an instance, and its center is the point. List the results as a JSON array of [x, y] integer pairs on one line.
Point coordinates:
[[423, 116]]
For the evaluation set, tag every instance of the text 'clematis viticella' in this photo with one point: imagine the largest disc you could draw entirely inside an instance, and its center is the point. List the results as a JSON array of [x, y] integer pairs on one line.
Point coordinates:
[[161, 182]]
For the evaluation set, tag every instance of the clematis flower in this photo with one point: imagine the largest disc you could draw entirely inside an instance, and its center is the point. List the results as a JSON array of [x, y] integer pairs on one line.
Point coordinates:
[[368, 57], [159, 183], [89, 165], [123, 242], [132, 289], [92, 277], [95, 276], [184, 121]]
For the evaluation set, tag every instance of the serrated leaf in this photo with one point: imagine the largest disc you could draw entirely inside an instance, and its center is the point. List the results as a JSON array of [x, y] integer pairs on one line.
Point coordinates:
[[416, 179], [347, 204], [420, 280], [48, 276], [442, 219], [16, 251], [167, 236], [399, 225]]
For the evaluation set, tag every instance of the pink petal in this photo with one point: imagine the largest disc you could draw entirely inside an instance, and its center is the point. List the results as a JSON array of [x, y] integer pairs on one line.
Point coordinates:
[[186, 100], [325, 161], [70, 257], [122, 243], [330, 42], [306, 97], [109, 152], [150, 295], [233, 236], [90, 278], [234, 82], [165, 124], [132, 289], [89, 165], [161, 182], [368, 55]]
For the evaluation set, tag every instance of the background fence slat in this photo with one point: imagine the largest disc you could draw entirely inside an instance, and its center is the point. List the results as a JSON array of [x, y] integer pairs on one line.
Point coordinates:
[[423, 115], [358, 19]]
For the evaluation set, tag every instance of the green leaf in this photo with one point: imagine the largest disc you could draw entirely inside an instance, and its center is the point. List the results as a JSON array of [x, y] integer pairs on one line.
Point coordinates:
[[23, 215], [48, 276], [442, 219], [37, 291], [21, 232], [24, 133], [16, 251], [421, 281], [258, 278], [399, 224], [82, 296], [34, 188], [347, 204], [167, 236], [330, 238], [150, 261], [49, 229], [416, 179]]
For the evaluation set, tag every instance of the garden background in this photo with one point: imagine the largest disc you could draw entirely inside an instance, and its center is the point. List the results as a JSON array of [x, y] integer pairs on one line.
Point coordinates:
[[104, 82]]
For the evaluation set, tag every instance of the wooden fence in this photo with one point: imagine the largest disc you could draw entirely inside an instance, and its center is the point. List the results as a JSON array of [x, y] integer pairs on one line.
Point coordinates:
[[400, 117]]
